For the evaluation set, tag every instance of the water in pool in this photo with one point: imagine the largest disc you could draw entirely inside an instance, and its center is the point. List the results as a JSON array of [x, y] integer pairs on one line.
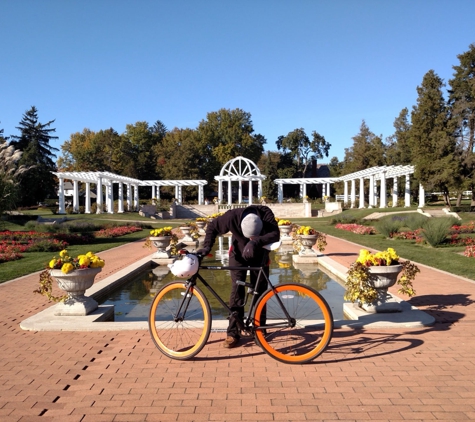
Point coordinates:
[[132, 301]]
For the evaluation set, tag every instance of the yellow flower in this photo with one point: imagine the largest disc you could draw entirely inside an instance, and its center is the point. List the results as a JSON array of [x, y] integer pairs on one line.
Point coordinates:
[[67, 268], [52, 263], [84, 260], [63, 253]]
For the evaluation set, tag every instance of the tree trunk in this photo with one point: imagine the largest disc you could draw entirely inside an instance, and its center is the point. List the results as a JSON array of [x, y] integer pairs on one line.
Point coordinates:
[[459, 199]]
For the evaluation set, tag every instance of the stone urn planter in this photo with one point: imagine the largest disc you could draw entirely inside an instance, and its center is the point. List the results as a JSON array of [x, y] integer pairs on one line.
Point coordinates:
[[382, 278], [75, 284], [186, 230], [285, 232], [201, 227], [161, 243], [307, 242]]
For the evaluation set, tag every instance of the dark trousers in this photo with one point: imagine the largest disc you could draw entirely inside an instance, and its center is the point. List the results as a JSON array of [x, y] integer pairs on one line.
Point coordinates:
[[238, 293]]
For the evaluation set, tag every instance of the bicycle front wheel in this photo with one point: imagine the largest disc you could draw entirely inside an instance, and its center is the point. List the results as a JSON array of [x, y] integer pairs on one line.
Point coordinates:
[[179, 325], [302, 338]]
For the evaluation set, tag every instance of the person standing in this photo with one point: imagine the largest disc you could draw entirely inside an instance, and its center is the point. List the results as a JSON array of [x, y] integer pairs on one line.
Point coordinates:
[[252, 228]]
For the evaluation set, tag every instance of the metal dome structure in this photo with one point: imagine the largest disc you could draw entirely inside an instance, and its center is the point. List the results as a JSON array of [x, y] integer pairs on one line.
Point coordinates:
[[239, 170]]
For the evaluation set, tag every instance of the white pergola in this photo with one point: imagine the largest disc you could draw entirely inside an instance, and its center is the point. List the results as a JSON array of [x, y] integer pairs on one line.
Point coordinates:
[[239, 170], [374, 174], [178, 184], [303, 182], [381, 174], [100, 179]]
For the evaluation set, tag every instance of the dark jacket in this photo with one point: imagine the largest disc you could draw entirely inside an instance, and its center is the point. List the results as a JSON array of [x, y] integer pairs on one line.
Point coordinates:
[[231, 222]]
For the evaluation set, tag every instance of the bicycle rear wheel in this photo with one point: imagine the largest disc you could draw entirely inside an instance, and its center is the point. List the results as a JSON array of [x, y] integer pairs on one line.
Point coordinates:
[[179, 336], [311, 327]]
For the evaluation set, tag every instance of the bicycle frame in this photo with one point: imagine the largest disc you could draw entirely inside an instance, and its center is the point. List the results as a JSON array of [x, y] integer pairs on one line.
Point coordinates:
[[243, 325]]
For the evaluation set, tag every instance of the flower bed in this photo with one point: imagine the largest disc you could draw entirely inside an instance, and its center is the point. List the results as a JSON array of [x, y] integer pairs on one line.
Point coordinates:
[[116, 231], [356, 228]]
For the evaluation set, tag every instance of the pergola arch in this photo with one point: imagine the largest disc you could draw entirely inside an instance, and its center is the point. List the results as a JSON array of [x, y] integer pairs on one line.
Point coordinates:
[[239, 169]]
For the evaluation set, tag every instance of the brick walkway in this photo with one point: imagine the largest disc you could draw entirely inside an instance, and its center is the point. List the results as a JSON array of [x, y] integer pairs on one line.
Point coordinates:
[[420, 375]]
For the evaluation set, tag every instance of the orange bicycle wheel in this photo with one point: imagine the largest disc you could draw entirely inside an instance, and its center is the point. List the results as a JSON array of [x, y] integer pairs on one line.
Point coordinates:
[[179, 336], [310, 330]]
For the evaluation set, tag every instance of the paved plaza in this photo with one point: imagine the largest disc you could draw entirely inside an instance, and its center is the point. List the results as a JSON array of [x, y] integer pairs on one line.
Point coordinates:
[[377, 374]]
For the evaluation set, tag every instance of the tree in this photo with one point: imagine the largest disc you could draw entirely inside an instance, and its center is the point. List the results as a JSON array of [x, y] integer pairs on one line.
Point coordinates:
[[462, 110], [398, 145], [227, 134], [436, 166], [38, 183], [179, 156], [10, 174], [303, 150], [367, 151], [268, 165]]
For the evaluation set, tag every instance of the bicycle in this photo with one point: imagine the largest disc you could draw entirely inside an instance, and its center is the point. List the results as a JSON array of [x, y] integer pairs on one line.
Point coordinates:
[[291, 322]]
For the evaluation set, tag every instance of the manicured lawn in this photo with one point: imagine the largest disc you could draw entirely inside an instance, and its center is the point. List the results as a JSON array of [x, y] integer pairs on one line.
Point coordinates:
[[445, 258]]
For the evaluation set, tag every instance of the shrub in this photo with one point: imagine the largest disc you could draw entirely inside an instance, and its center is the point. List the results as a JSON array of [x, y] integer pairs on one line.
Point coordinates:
[[387, 226], [415, 221], [436, 230]]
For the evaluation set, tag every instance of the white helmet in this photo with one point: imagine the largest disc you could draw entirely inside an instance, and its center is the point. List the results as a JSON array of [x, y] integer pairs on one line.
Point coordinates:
[[185, 267]]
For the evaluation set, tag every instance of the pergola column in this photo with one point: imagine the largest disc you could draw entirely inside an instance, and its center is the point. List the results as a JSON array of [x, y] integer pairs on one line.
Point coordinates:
[[200, 195], [382, 192], [121, 198], [87, 201], [395, 191], [280, 193], [422, 196], [407, 192], [371, 191], [259, 188], [110, 197], [250, 192], [136, 197], [99, 196], [75, 196], [230, 193], [345, 191], [353, 193], [61, 196], [361, 192], [129, 197], [324, 190], [220, 191], [240, 192]]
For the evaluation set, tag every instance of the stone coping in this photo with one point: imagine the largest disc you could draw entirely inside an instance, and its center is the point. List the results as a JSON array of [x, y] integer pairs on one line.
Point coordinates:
[[101, 318]]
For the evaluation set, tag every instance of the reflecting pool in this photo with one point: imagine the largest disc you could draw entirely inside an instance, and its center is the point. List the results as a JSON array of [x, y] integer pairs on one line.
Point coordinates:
[[132, 301]]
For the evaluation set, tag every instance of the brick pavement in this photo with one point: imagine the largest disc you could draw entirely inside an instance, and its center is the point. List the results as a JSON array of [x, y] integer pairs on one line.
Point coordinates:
[[378, 375]]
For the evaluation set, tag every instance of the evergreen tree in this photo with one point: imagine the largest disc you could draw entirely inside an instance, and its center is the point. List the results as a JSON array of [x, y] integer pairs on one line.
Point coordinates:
[[268, 165], [398, 145], [436, 166], [367, 151], [38, 183], [462, 110]]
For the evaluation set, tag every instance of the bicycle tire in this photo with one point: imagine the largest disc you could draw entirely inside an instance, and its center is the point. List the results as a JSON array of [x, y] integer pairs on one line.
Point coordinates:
[[185, 338], [313, 328]]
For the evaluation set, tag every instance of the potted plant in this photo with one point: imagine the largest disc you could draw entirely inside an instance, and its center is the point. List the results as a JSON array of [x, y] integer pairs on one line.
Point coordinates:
[[190, 231], [305, 237], [74, 276], [370, 276], [285, 227], [161, 238]]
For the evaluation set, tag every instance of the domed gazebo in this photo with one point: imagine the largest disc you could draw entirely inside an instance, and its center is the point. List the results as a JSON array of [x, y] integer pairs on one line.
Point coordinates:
[[239, 170]]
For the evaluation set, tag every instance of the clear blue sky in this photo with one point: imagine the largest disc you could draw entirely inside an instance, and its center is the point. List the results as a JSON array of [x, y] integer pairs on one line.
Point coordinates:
[[312, 64]]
